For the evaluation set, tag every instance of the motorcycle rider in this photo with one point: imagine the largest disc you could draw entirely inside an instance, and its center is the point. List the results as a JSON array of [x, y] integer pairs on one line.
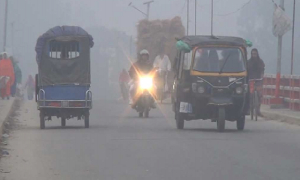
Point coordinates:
[[142, 66]]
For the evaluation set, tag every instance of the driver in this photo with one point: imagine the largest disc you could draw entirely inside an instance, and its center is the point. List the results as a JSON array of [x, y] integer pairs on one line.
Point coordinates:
[[142, 66]]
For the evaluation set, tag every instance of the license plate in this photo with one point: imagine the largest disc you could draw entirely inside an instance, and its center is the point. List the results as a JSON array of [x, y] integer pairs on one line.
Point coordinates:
[[185, 107], [65, 104]]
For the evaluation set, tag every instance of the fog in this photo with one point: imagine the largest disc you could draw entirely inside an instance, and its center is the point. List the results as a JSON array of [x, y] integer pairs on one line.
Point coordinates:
[[112, 22]]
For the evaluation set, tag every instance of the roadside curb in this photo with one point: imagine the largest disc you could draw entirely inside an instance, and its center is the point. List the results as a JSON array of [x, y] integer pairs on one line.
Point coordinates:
[[281, 117], [8, 115]]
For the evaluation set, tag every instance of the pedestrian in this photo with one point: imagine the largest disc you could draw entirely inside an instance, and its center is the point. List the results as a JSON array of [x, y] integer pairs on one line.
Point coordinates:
[[256, 69], [18, 76], [123, 82], [6, 70], [163, 63], [30, 85]]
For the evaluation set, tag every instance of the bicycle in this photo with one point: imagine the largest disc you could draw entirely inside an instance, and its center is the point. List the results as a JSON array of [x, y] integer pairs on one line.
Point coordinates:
[[254, 98]]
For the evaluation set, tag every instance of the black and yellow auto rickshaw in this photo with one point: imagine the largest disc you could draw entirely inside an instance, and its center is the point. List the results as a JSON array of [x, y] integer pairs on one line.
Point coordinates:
[[211, 80]]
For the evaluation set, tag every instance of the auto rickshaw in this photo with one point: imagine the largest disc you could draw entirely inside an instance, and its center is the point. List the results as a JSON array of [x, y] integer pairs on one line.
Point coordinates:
[[211, 80], [64, 75]]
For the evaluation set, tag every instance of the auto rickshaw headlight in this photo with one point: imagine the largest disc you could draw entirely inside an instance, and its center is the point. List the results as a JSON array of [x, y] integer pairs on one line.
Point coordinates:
[[239, 90], [194, 87], [201, 89]]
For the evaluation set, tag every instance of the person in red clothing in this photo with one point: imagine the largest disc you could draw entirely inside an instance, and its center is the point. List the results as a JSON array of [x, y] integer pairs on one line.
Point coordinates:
[[6, 70], [123, 81]]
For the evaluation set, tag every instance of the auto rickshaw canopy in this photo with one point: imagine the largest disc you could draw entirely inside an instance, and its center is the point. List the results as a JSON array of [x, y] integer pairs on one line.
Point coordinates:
[[189, 42]]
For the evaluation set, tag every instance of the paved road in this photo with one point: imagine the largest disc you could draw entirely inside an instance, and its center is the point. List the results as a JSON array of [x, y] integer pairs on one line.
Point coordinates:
[[120, 146]]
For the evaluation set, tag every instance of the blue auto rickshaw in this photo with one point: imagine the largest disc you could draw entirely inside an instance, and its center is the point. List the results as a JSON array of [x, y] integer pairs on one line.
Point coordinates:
[[64, 74]]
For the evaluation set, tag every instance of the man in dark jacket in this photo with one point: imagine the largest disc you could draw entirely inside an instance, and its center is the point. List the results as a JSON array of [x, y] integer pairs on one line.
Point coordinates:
[[142, 66], [256, 69]]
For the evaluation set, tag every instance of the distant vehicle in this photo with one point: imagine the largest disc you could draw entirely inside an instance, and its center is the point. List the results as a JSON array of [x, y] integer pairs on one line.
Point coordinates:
[[211, 80], [64, 75]]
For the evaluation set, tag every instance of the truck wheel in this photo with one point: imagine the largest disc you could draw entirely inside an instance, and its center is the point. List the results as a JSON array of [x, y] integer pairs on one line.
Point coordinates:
[[42, 120], [221, 120], [240, 123], [63, 122]]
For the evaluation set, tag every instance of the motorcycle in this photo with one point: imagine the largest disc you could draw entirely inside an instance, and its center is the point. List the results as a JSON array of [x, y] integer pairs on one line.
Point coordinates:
[[145, 101]]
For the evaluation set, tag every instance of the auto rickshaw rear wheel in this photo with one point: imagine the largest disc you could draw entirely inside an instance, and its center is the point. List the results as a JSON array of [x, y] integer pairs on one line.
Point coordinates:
[[221, 119], [63, 122], [240, 123], [42, 120], [179, 118], [87, 120]]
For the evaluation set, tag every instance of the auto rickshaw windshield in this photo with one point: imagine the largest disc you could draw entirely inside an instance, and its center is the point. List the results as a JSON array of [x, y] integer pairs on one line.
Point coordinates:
[[219, 59]]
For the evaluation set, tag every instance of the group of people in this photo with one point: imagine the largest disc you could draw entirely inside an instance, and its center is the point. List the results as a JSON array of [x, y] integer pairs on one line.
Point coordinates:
[[11, 78]]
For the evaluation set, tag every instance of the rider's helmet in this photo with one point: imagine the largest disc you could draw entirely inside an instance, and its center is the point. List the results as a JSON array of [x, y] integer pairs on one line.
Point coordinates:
[[144, 55], [144, 52]]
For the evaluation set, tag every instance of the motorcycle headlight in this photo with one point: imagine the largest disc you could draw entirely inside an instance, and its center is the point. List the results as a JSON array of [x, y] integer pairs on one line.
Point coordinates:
[[146, 83], [194, 87], [201, 89], [239, 90]]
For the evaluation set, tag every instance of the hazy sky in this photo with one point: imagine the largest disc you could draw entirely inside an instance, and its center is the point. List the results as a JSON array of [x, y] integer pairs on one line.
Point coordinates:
[[117, 13], [33, 17]]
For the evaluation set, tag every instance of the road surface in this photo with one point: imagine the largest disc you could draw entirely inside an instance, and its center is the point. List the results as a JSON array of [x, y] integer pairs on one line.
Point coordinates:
[[120, 146]]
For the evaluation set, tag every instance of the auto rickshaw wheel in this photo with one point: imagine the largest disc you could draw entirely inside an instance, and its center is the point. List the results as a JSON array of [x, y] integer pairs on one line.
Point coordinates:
[[179, 118], [87, 120], [42, 120], [221, 119], [63, 122], [240, 123]]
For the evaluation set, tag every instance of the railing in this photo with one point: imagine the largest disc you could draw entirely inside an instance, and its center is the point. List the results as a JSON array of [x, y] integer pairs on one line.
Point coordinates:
[[289, 91]]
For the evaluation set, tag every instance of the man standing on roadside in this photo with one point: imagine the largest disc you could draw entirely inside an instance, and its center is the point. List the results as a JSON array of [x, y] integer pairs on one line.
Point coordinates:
[[162, 62]]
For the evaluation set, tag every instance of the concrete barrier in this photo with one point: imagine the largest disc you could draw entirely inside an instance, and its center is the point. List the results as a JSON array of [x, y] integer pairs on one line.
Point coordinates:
[[6, 109]]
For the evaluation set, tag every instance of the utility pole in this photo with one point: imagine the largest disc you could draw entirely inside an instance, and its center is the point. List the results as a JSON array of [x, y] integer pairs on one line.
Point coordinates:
[[148, 8], [12, 37], [187, 17], [5, 25], [292, 94], [130, 47], [278, 73], [293, 38], [195, 17], [212, 18]]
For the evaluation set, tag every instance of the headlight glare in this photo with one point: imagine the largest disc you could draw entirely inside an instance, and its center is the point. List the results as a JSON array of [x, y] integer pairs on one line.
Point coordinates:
[[146, 83]]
